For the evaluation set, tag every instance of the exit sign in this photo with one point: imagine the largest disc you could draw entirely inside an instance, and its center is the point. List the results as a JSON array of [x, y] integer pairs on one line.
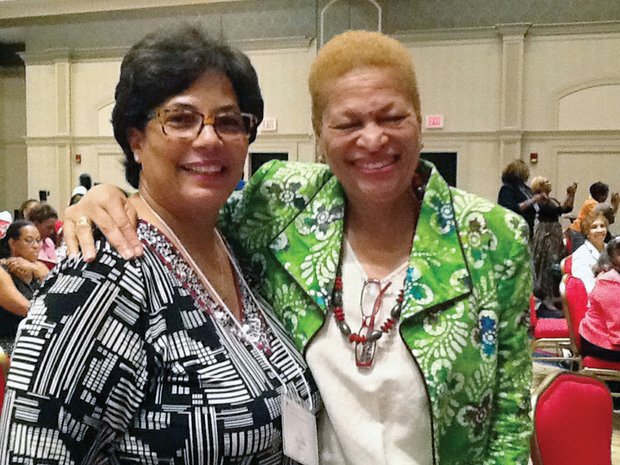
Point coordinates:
[[434, 122]]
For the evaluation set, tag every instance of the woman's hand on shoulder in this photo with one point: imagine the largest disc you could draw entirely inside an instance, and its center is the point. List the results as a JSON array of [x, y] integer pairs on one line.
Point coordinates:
[[106, 206]]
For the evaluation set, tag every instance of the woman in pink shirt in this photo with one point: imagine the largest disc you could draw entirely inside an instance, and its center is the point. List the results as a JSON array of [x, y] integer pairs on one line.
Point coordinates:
[[600, 328]]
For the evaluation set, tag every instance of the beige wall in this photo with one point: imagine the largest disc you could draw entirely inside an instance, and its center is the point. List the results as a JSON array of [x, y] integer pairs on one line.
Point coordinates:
[[503, 92], [13, 171]]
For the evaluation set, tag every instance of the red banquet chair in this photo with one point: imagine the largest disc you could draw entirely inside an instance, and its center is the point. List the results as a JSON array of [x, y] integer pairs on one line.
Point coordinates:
[[575, 302], [566, 265], [549, 335], [572, 421]]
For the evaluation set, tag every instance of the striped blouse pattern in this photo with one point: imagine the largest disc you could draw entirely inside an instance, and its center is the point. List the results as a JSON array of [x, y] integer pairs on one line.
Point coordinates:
[[133, 362]]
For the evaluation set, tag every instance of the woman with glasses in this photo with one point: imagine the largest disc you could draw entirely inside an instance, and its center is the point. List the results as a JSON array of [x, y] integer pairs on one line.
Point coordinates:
[[20, 275], [408, 298], [168, 358]]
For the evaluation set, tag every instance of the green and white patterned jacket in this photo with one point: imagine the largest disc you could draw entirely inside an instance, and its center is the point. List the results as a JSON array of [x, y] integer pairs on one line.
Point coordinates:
[[465, 314]]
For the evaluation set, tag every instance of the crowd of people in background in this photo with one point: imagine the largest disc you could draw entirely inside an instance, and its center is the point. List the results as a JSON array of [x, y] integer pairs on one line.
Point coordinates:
[[29, 240], [594, 254], [583, 239]]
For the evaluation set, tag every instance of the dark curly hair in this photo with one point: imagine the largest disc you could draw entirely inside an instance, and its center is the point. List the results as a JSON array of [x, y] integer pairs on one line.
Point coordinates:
[[599, 191], [164, 64], [14, 231]]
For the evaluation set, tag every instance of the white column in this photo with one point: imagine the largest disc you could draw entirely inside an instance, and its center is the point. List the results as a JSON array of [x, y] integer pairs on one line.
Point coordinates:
[[511, 125], [49, 128]]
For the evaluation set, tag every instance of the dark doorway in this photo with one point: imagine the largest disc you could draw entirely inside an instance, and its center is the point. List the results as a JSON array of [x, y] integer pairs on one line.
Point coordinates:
[[445, 163], [258, 159]]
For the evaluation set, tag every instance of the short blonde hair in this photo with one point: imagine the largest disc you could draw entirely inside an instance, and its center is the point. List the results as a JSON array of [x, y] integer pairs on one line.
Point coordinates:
[[360, 49], [538, 182]]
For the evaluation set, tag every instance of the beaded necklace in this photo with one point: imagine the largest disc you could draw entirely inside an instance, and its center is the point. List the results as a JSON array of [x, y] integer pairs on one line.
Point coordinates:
[[365, 339]]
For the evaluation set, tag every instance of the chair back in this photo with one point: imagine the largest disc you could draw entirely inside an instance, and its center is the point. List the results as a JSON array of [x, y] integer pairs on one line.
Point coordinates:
[[572, 421], [566, 265], [575, 303]]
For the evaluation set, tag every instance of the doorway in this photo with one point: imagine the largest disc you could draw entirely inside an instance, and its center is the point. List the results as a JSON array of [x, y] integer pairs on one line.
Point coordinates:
[[445, 162]]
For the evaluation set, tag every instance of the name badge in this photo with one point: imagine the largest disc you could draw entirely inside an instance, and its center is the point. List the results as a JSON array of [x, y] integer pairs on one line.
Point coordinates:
[[299, 433]]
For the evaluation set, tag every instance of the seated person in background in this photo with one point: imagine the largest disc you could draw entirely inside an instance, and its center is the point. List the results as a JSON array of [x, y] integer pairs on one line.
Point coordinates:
[[547, 244], [5, 221], [26, 206], [599, 191], [80, 190], [594, 228], [20, 276], [600, 328], [44, 218]]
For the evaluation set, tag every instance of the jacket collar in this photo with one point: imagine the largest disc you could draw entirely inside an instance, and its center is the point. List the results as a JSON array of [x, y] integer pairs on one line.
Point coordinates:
[[437, 273]]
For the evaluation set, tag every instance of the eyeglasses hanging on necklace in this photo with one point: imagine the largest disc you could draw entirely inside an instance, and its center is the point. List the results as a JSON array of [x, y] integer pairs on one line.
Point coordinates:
[[366, 338]]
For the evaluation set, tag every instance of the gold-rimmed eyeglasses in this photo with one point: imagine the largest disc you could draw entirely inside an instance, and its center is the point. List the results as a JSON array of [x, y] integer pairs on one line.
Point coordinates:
[[187, 124], [32, 242]]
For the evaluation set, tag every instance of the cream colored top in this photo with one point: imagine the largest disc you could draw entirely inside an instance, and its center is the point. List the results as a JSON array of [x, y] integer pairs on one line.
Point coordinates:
[[379, 415]]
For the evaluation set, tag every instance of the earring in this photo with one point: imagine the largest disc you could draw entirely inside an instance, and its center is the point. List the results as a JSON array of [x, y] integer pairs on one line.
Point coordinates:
[[136, 157]]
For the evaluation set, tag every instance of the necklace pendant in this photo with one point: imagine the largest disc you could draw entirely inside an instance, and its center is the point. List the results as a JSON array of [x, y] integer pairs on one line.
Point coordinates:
[[365, 353]]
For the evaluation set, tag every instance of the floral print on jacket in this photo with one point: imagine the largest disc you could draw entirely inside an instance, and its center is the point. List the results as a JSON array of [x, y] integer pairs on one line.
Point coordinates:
[[465, 313]]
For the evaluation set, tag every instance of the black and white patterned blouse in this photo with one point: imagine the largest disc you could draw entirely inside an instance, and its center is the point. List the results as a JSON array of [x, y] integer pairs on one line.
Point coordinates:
[[132, 362]]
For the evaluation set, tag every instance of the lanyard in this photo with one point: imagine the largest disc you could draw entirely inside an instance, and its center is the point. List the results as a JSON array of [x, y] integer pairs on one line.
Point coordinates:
[[205, 282]]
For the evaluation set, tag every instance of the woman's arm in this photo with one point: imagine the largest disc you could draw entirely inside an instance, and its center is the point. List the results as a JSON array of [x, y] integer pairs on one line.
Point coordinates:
[[569, 201], [509, 199], [10, 298], [27, 270], [511, 426], [106, 206]]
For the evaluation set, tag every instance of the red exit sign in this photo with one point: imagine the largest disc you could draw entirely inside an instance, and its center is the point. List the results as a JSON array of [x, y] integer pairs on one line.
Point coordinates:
[[434, 122]]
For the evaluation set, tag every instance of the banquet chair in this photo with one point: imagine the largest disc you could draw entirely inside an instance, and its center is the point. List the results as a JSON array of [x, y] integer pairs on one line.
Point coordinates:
[[572, 421], [550, 335], [566, 265], [575, 301]]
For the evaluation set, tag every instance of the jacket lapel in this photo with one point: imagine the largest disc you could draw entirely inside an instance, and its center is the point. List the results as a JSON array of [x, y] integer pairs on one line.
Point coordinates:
[[437, 274], [309, 246]]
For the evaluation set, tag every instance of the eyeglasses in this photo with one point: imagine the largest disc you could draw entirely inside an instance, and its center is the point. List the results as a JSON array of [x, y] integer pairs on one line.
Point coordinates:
[[186, 124], [371, 298], [32, 242]]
